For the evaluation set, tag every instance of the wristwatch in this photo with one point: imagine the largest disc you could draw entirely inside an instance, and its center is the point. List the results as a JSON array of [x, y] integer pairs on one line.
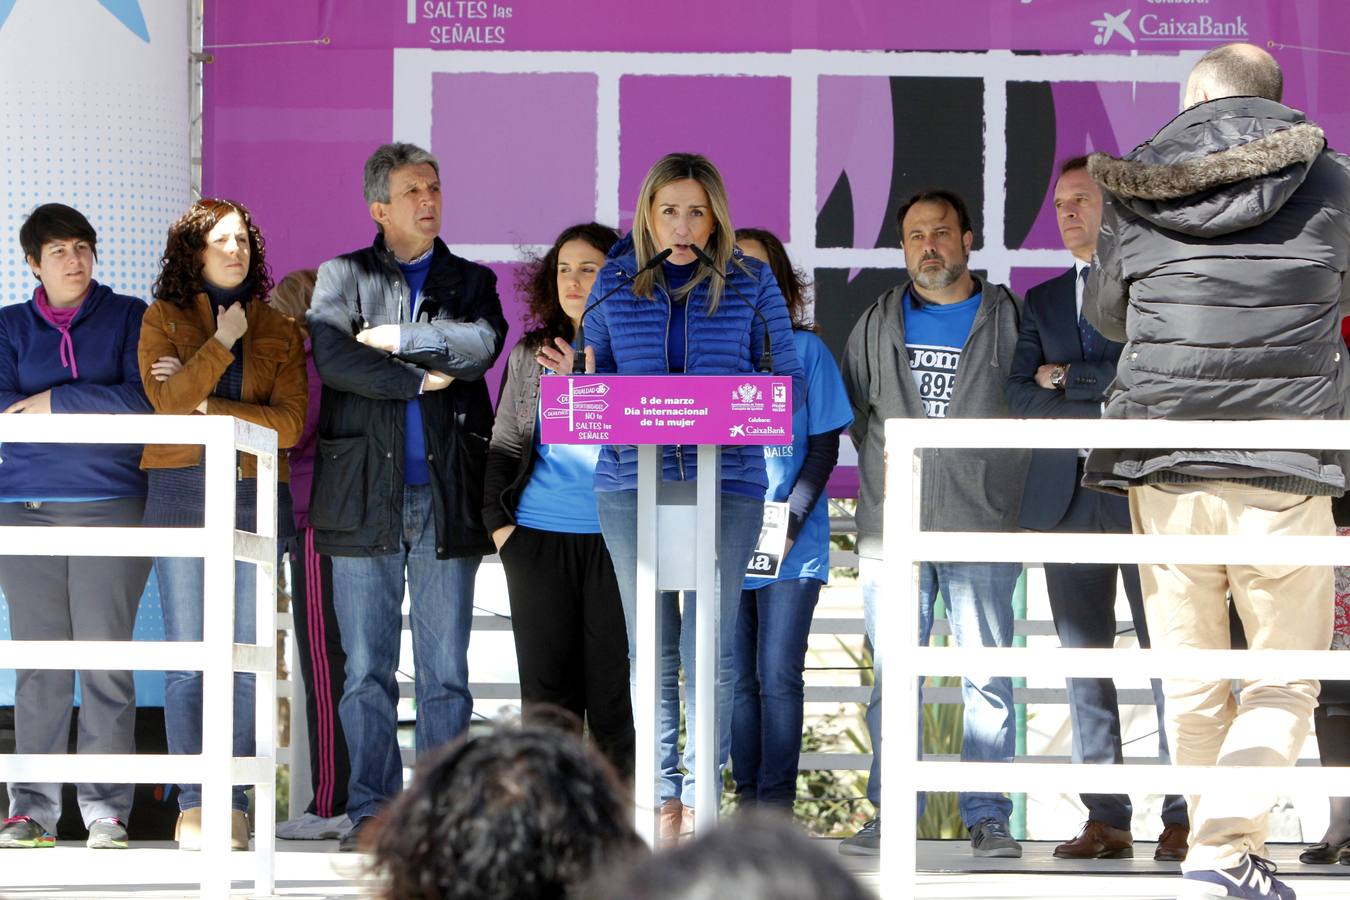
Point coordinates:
[[1057, 376]]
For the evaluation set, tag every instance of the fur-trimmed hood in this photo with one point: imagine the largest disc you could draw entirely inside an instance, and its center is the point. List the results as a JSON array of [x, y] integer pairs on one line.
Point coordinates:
[[1218, 167]]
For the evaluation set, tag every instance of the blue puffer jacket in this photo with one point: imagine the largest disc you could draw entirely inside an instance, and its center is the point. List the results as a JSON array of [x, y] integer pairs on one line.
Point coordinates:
[[629, 337]]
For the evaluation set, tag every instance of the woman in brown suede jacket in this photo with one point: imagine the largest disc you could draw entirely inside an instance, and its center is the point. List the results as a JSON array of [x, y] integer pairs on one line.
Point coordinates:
[[210, 345]]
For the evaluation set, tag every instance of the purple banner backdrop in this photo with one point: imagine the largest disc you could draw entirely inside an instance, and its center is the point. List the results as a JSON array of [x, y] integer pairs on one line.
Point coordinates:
[[1108, 118], [740, 122], [298, 93], [779, 25], [542, 152]]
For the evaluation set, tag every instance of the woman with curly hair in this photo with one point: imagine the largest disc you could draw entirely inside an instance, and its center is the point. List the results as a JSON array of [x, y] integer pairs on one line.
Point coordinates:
[[211, 346], [539, 505], [520, 813]]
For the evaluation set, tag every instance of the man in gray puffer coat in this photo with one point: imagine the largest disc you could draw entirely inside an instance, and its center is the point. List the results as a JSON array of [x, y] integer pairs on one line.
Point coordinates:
[[1224, 246]]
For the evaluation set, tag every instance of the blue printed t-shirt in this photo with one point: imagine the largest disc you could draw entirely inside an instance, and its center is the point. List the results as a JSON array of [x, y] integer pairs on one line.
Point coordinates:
[[935, 335], [826, 410], [560, 495], [415, 469]]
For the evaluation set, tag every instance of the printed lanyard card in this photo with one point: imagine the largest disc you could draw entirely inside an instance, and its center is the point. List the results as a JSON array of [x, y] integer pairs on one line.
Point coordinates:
[[768, 555]]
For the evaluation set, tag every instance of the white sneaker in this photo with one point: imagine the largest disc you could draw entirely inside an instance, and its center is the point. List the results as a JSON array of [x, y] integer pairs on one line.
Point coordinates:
[[310, 827]]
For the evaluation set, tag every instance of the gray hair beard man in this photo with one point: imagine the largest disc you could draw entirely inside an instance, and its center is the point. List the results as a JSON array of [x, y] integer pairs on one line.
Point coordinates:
[[941, 345], [1224, 246]]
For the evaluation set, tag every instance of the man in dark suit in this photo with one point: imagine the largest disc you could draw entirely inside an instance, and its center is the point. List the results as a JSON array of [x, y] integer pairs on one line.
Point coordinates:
[[1061, 369]]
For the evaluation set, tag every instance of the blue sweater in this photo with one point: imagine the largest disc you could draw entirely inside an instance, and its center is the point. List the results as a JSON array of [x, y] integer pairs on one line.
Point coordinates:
[[415, 469], [105, 333], [629, 334]]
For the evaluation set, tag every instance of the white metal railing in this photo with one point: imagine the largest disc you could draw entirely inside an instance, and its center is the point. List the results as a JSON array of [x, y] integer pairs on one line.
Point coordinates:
[[907, 545], [295, 756], [216, 655]]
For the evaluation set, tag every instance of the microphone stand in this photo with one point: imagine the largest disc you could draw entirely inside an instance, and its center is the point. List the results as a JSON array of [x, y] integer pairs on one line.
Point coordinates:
[[579, 357], [766, 357]]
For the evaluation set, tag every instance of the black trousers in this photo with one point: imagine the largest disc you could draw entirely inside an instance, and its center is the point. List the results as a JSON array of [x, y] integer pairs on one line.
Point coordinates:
[[571, 642], [323, 667]]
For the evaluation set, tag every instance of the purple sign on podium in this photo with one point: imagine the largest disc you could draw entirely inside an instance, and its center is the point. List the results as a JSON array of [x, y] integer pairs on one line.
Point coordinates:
[[665, 409]]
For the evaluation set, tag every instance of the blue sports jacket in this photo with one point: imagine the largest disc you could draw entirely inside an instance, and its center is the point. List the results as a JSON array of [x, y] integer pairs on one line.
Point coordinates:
[[629, 337]]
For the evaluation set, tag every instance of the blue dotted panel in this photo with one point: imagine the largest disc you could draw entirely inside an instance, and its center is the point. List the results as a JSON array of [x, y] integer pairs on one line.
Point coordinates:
[[119, 154]]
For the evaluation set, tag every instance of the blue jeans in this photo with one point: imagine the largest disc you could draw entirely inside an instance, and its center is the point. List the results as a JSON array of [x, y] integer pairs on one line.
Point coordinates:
[[368, 598], [740, 520], [181, 588], [772, 629], [979, 607]]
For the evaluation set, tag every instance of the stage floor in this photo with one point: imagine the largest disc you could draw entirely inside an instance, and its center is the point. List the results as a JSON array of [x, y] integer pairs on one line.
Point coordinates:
[[315, 871]]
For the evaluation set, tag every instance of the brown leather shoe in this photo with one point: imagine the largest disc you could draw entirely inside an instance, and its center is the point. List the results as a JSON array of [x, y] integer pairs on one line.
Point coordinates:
[[1172, 844], [671, 814], [1098, 840]]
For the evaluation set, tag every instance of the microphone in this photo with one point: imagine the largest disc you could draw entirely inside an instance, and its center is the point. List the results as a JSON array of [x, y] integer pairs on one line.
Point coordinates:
[[579, 358], [766, 358]]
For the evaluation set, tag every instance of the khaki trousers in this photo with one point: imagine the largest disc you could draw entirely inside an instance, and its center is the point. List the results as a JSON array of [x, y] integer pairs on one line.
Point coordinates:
[[1282, 607]]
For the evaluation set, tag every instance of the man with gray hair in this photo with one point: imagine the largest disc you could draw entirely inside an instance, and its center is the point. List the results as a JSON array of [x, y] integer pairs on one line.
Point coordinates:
[[402, 333], [1224, 246]]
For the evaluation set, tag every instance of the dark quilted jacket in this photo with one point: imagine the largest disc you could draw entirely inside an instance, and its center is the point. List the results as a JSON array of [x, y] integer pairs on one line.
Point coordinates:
[[629, 337], [1222, 264], [357, 503]]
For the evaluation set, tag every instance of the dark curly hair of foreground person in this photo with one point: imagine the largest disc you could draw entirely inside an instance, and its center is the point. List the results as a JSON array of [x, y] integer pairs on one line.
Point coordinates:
[[752, 856], [521, 813]]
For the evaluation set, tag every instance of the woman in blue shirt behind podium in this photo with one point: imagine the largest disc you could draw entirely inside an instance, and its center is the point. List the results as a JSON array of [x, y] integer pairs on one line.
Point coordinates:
[[686, 317], [539, 506], [774, 621]]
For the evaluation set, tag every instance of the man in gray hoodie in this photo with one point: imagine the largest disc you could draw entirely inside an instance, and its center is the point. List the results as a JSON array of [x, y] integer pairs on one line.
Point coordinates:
[[942, 346], [1222, 264]]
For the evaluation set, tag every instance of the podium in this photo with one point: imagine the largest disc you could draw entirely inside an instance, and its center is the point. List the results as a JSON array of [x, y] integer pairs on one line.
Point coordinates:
[[653, 412]]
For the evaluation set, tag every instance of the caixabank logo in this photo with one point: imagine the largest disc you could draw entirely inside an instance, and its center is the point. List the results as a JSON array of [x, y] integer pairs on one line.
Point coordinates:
[[1165, 26], [1109, 26]]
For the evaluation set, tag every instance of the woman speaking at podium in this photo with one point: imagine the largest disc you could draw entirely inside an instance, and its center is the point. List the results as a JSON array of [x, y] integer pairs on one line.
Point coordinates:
[[686, 316]]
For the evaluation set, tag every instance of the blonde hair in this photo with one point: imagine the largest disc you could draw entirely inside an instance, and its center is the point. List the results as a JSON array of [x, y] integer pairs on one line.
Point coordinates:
[[293, 294], [679, 167]]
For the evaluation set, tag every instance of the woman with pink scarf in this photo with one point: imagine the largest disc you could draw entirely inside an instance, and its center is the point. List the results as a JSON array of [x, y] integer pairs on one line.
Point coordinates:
[[71, 349]]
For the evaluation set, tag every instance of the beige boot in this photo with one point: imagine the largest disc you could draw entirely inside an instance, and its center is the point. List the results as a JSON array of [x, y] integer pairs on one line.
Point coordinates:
[[239, 829], [188, 831], [670, 820], [687, 824]]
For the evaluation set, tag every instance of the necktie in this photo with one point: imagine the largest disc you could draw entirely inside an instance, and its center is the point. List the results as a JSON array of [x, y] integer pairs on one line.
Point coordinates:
[[1090, 339]]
